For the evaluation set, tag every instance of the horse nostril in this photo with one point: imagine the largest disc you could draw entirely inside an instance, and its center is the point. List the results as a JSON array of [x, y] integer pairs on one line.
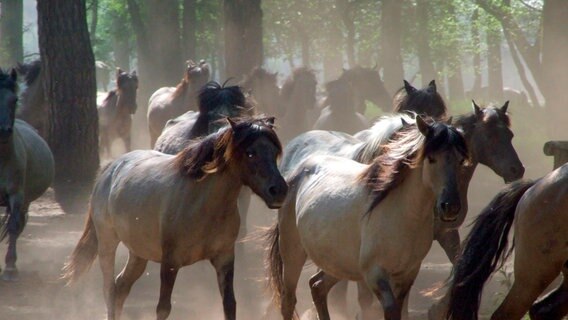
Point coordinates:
[[444, 206], [272, 190]]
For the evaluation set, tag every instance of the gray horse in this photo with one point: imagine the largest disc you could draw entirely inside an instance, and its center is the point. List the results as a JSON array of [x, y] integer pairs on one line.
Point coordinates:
[[169, 102], [26, 169]]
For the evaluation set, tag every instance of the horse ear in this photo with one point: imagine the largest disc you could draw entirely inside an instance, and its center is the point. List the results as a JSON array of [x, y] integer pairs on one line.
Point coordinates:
[[432, 85], [422, 126], [408, 87], [202, 62], [476, 109], [13, 75], [232, 123], [270, 121], [404, 123], [449, 122], [505, 107], [134, 73], [118, 72]]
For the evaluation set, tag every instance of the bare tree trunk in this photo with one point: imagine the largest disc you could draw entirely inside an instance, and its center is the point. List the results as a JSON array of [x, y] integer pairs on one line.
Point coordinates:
[[11, 32], [345, 9], [94, 20], [476, 55], [189, 40], [454, 64], [423, 43], [390, 43], [120, 42], [305, 46], [243, 36], [70, 88], [494, 66]]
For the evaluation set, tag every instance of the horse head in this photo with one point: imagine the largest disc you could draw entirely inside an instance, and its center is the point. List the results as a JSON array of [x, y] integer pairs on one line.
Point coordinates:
[[426, 101], [197, 74], [127, 85], [8, 102], [491, 141]]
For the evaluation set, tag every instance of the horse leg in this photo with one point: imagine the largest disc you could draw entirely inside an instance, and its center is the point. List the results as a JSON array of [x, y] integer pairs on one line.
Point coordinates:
[[555, 305], [530, 282], [134, 268], [378, 280], [16, 222], [107, 250], [320, 284], [439, 309], [168, 274], [450, 242], [225, 266], [365, 299], [338, 297]]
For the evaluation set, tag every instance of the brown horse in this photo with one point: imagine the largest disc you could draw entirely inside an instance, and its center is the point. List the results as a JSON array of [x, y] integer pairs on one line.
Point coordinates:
[[298, 96], [367, 86], [169, 102], [264, 89], [32, 108], [116, 110], [168, 209], [538, 212], [425, 101]]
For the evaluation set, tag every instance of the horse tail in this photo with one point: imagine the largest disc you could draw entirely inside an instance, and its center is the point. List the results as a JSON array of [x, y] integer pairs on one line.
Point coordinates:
[[84, 253], [274, 264], [485, 249]]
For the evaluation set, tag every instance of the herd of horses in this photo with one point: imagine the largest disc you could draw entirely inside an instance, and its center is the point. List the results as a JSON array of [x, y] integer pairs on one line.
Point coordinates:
[[383, 192]]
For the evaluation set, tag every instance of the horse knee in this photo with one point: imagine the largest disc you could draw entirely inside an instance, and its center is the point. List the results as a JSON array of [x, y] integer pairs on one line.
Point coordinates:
[[288, 304]]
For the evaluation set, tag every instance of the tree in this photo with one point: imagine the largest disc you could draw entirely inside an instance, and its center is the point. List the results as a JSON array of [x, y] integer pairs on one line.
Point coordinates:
[[189, 29], [68, 69], [391, 43], [243, 36], [11, 32]]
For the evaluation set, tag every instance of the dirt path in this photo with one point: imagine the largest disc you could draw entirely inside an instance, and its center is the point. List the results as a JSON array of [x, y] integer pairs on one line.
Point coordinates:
[[51, 235]]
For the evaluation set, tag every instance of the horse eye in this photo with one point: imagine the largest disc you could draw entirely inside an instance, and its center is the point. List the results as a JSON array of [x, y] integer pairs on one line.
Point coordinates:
[[251, 154]]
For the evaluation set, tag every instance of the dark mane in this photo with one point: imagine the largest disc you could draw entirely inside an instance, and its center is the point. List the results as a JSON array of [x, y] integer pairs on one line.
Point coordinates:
[[259, 73], [491, 114], [339, 95], [212, 153], [407, 149], [297, 74], [7, 82], [30, 71], [111, 95], [425, 101], [213, 95]]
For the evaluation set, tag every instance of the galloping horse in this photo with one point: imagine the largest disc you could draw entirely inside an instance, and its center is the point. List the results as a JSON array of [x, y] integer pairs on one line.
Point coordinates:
[[341, 115], [116, 110], [263, 87], [538, 212], [376, 212], [177, 210], [32, 108], [26, 169], [298, 95], [169, 102], [425, 101]]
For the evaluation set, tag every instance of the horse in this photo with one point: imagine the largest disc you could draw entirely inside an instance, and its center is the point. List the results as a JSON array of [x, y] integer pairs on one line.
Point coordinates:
[[103, 72], [487, 134], [335, 200], [367, 86], [116, 110], [341, 115], [32, 108], [298, 96], [26, 169], [169, 102], [425, 101], [177, 210], [537, 211], [263, 87]]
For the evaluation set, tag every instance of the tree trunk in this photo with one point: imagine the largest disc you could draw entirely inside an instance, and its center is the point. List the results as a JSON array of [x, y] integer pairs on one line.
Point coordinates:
[[476, 54], [189, 41], [345, 10], [454, 64], [94, 20], [120, 42], [494, 66], [243, 36], [305, 46], [427, 70], [11, 32], [68, 69], [390, 43]]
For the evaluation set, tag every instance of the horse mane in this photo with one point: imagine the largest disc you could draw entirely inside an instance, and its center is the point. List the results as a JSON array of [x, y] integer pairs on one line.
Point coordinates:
[[111, 95], [380, 134], [213, 95], [406, 150], [7, 82], [491, 115], [30, 71], [339, 95], [290, 82], [211, 154], [423, 101]]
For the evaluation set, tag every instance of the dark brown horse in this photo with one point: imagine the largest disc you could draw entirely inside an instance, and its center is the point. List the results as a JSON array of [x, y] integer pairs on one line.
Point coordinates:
[[116, 110], [263, 87], [425, 101], [169, 102], [32, 108], [367, 86], [298, 96]]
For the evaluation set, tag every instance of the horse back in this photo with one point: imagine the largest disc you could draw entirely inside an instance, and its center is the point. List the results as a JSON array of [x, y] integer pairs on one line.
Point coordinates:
[[39, 163], [177, 133]]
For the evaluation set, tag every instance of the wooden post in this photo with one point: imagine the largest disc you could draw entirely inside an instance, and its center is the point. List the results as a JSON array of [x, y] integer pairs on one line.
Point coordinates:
[[557, 149]]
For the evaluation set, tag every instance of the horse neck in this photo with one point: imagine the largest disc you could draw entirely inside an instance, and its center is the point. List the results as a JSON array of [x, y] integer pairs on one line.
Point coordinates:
[[226, 183], [7, 148]]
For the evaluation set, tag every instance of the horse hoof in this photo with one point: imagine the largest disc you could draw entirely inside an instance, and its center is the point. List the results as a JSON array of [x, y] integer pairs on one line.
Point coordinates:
[[10, 274]]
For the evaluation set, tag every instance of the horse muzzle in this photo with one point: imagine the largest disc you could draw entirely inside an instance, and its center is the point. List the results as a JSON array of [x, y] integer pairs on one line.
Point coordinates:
[[276, 194], [514, 173], [448, 211], [6, 133]]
